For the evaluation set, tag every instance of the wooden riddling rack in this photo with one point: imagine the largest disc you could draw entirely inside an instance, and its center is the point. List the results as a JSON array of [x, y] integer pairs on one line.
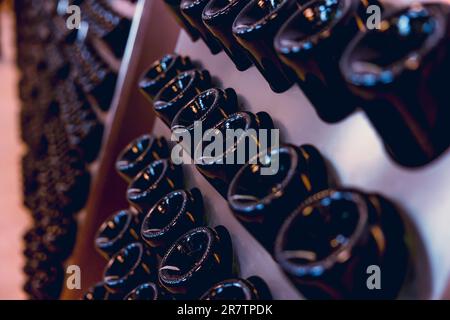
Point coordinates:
[[351, 145]]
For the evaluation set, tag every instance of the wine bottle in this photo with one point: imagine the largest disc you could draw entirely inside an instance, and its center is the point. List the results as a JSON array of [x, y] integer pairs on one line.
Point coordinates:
[[398, 72], [173, 215], [329, 243], [178, 92], [139, 153], [255, 28], [197, 260], [218, 16], [265, 191]]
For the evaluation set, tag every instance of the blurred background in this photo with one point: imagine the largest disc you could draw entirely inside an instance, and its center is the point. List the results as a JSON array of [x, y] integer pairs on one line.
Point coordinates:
[[14, 217]]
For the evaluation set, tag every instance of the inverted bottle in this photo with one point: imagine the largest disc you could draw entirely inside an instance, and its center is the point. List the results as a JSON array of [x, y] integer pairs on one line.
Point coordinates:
[[197, 260], [173, 215], [255, 28], [161, 72], [151, 184], [119, 230], [220, 167], [329, 243], [192, 11], [139, 153], [403, 90], [311, 43], [263, 193], [218, 16], [178, 92], [131, 266], [202, 112]]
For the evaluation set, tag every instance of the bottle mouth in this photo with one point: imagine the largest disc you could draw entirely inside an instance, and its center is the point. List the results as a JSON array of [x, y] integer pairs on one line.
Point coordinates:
[[163, 216], [113, 228], [240, 123], [197, 109], [251, 190], [311, 24], [186, 256], [410, 35], [232, 289], [158, 70], [123, 264], [322, 232], [146, 291], [174, 89], [134, 153], [217, 8], [257, 14], [148, 179]]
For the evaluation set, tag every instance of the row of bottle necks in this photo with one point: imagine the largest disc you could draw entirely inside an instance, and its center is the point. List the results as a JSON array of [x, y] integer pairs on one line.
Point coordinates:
[[324, 236], [393, 71]]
